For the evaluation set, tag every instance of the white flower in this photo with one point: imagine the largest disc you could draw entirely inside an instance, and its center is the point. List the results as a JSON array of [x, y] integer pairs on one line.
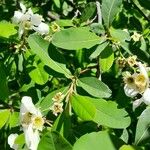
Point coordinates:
[[28, 21], [136, 37], [31, 121], [18, 14], [139, 84], [11, 141]]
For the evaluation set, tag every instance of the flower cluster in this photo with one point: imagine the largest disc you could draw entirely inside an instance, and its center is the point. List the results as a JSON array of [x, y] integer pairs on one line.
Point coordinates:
[[27, 20], [32, 122], [130, 61], [138, 83], [57, 106]]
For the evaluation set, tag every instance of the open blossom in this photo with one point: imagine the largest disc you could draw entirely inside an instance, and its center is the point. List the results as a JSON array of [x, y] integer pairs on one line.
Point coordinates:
[[27, 20], [138, 84], [31, 121], [11, 141]]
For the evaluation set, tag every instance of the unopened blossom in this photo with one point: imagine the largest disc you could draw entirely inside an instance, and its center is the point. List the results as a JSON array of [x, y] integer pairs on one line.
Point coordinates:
[[132, 60], [138, 84], [58, 97], [11, 141], [121, 62], [32, 121], [136, 37], [57, 108], [55, 27]]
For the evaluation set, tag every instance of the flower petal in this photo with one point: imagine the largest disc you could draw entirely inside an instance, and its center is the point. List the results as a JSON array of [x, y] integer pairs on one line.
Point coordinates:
[[11, 141], [17, 17], [42, 29], [129, 91], [36, 19], [146, 96], [27, 106], [136, 103], [23, 7], [31, 137], [143, 70]]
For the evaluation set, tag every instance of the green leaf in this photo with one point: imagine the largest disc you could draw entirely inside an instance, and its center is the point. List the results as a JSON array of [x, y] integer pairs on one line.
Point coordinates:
[[98, 50], [108, 114], [88, 12], [98, 141], [83, 107], [20, 139], [14, 119], [36, 69], [3, 83], [7, 29], [142, 130], [40, 47], [121, 37], [53, 141], [4, 115], [94, 87], [63, 124], [129, 147], [106, 59], [109, 10], [75, 38]]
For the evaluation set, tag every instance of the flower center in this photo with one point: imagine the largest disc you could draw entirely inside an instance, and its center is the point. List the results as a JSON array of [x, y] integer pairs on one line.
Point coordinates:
[[38, 122], [27, 25], [140, 79]]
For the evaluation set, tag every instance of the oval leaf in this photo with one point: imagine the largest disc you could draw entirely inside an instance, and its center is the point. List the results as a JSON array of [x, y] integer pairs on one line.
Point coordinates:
[[106, 59], [4, 115], [75, 38], [109, 10], [53, 141], [143, 126], [94, 87], [40, 47], [98, 141], [109, 115], [7, 29], [83, 107], [35, 68]]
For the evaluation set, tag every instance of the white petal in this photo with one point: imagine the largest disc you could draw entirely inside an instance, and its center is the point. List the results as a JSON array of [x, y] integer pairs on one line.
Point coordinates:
[[11, 141], [31, 137], [29, 12], [143, 70], [25, 17], [136, 103], [130, 92], [27, 106], [21, 30], [17, 17], [146, 96], [42, 28], [36, 19], [23, 7]]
